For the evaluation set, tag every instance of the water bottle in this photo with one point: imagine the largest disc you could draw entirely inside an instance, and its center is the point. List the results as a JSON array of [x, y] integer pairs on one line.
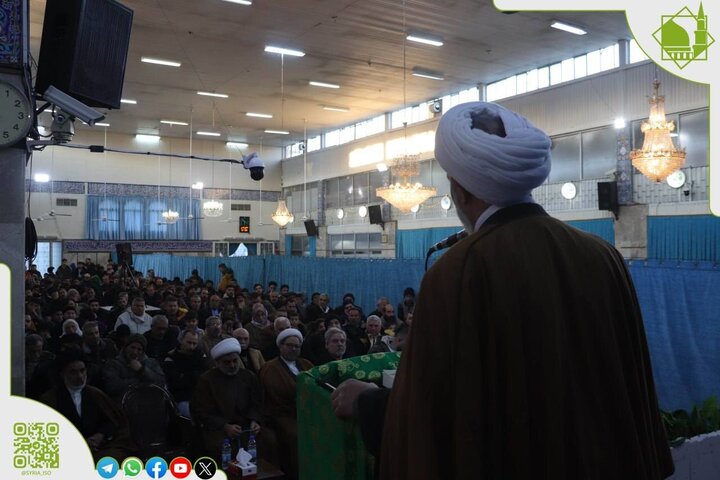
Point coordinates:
[[252, 448], [226, 453]]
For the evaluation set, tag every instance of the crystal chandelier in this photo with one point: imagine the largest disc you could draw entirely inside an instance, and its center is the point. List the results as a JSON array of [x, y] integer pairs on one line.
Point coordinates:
[[282, 215], [405, 195], [212, 208], [658, 157], [170, 216]]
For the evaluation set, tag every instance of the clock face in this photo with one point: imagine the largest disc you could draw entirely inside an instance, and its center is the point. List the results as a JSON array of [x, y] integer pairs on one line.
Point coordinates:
[[568, 190], [15, 114], [676, 179], [445, 203]]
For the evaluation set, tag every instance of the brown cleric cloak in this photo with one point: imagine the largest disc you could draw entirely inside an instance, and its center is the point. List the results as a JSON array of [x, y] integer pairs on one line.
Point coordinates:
[[527, 359]]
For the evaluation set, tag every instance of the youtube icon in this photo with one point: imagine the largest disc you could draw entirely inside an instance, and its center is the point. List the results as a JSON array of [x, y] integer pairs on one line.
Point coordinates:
[[180, 467]]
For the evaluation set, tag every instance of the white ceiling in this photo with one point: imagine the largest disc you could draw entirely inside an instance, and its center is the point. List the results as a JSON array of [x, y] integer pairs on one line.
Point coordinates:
[[357, 44]]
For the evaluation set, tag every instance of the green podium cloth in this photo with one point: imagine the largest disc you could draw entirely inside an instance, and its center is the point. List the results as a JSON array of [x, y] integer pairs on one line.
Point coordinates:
[[330, 448]]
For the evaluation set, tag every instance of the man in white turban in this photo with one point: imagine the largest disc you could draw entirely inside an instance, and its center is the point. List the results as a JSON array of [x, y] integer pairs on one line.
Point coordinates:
[[227, 402], [527, 355], [278, 378]]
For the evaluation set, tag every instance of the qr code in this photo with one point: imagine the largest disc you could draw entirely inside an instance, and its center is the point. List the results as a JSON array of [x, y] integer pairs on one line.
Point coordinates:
[[36, 445]]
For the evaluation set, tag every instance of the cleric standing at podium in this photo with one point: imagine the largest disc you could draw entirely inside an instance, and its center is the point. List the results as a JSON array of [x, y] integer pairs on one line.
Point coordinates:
[[527, 356]]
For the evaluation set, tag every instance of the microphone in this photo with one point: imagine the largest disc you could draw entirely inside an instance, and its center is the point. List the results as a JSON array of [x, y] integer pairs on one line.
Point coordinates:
[[448, 242]]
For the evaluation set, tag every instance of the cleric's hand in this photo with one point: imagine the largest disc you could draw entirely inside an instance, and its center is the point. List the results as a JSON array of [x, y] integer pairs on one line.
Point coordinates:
[[343, 398]]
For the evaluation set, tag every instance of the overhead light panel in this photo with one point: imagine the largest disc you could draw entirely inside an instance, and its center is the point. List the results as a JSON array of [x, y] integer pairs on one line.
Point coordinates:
[[236, 144], [335, 109], [208, 134], [619, 123], [258, 115], [143, 137], [197, 186], [240, 2], [213, 94], [160, 61], [566, 27], [421, 72], [284, 51], [323, 84], [174, 122], [128, 101], [98, 124], [426, 39], [278, 132], [41, 177]]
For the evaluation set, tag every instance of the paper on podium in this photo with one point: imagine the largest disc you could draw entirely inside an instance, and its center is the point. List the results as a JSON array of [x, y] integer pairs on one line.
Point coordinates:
[[388, 378]]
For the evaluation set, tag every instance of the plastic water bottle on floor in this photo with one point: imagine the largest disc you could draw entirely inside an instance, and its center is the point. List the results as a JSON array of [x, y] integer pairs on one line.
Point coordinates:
[[226, 453], [252, 448]]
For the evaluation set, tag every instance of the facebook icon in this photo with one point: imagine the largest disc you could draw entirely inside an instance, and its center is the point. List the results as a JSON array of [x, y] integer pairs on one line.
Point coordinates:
[[156, 467]]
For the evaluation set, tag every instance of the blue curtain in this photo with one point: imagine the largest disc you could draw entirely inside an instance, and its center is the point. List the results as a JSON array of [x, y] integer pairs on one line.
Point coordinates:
[[602, 227], [312, 246], [680, 305], [416, 243], [692, 237], [139, 218], [679, 302], [288, 245]]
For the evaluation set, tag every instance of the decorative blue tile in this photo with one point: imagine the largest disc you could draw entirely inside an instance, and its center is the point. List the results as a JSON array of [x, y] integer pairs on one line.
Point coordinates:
[[138, 246], [11, 32]]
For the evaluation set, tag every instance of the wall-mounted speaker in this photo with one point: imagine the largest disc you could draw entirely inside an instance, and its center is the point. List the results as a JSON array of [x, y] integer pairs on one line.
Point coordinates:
[[311, 228], [375, 214], [84, 49], [608, 197], [124, 253]]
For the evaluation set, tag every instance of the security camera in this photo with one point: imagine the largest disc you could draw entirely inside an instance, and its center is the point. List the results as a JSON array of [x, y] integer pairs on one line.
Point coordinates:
[[72, 107], [302, 146], [436, 106], [253, 163]]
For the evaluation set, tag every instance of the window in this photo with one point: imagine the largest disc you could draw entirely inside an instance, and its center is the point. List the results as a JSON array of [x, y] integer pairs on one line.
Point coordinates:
[[693, 137], [360, 189], [636, 54], [580, 66], [345, 187], [565, 159], [543, 77], [332, 198], [593, 62], [568, 69], [347, 134], [556, 74], [332, 138], [598, 152], [355, 245], [521, 83], [300, 246], [377, 180], [370, 127], [610, 57], [49, 254], [532, 80], [314, 143]]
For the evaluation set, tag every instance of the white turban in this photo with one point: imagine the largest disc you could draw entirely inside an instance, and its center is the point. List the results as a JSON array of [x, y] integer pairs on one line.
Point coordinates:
[[288, 332], [229, 345], [499, 170]]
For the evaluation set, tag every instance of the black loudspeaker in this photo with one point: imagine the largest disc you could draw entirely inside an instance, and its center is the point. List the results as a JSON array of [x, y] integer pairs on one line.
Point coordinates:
[[375, 213], [608, 197], [84, 49], [124, 253], [311, 228]]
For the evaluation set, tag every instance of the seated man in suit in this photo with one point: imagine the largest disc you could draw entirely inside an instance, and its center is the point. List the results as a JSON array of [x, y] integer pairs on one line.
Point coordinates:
[[278, 378]]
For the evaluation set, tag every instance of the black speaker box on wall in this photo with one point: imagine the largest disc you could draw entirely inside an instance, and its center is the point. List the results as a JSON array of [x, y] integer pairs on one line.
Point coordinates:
[[375, 213], [83, 50], [311, 228], [124, 253], [608, 197]]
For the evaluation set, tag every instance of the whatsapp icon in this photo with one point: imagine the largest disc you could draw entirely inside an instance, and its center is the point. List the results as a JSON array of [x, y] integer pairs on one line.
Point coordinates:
[[132, 466]]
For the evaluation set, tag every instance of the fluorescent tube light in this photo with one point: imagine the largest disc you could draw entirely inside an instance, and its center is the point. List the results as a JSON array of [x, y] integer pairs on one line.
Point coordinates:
[[209, 134], [419, 72], [568, 28], [236, 144], [160, 61], [127, 100], [284, 51], [435, 42], [212, 94], [335, 109], [277, 132], [240, 2], [142, 137], [98, 124], [41, 177], [258, 115], [173, 122], [323, 84]]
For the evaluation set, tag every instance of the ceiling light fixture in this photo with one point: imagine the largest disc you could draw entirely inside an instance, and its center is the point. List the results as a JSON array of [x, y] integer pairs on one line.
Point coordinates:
[[323, 84], [335, 109], [143, 137], [236, 144], [102, 124], [239, 2], [658, 157], [41, 177], [258, 115], [174, 122], [197, 186], [208, 134], [423, 73], [160, 61], [619, 123], [566, 27], [426, 39], [284, 51], [212, 94], [277, 132], [128, 101]]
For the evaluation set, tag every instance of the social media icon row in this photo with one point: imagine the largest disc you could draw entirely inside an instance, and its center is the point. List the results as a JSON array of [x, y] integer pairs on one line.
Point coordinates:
[[156, 467]]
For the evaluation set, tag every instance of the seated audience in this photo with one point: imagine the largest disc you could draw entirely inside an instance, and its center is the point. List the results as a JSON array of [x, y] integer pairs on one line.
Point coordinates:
[[252, 358], [213, 335], [131, 367], [183, 366], [135, 318], [161, 338]]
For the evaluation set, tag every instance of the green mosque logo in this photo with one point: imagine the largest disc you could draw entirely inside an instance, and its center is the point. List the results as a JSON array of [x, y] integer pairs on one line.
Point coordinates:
[[674, 36]]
